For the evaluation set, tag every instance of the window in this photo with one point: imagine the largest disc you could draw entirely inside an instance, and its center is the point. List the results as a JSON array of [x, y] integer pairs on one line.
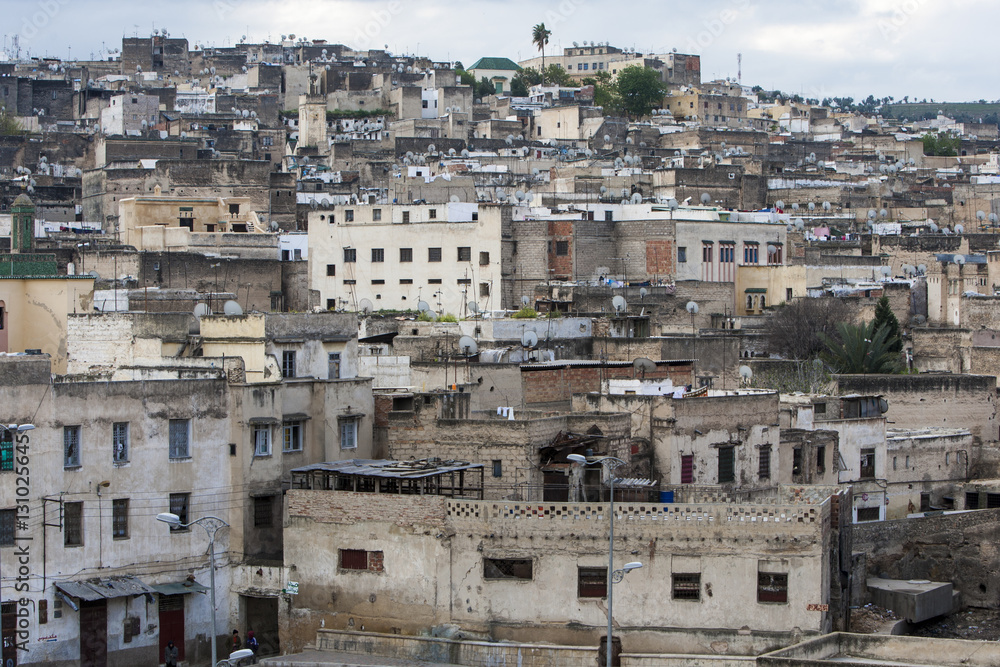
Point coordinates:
[[434, 254], [119, 442], [764, 465], [405, 281], [609, 216], [262, 440], [43, 612], [821, 458], [925, 502], [819, 408], [562, 248], [71, 446], [119, 519], [507, 568], [376, 215], [682, 255], [772, 587], [433, 281], [359, 559], [464, 281], [406, 217], [464, 254], [484, 289], [992, 500], [351, 282], [797, 461], [432, 214], [592, 582], [687, 469], [751, 253], [686, 586], [349, 433], [73, 524], [867, 514], [726, 467], [333, 365], [263, 511], [484, 259], [291, 436], [497, 468], [971, 500], [180, 438], [331, 269], [288, 363], [706, 252], [350, 255], [727, 253], [349, 215], [867, 463], [406, 254], [774, 253], [179, 503], [6, 451], [378, 254], [8, 524], [331, 304]]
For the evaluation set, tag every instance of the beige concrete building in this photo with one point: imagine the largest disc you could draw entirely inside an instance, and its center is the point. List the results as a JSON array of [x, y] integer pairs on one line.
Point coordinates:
[[392, 257], [35, 310], [162, 222]]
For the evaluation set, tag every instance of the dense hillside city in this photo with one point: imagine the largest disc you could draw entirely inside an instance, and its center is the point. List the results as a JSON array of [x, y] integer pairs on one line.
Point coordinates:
[[584, 359]]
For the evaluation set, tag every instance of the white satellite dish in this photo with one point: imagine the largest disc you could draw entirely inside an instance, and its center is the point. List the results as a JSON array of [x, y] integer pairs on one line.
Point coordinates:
[[619, 303], [643, 292], [959, 229], [959, 260], [644, 365], [921, 268], [746, 373], [529, 339], [692, 307], [232, 309], [366, 306], [705, 198], [473, 307], [423, 306], [468, 346], [201, 310], [525, 301]]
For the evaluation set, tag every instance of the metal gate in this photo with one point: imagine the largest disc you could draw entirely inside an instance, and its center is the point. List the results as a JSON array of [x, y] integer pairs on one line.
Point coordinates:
[[172, 623]]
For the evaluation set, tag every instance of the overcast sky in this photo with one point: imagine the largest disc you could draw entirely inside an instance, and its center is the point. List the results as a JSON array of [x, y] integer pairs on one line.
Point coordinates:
[[940, 49]]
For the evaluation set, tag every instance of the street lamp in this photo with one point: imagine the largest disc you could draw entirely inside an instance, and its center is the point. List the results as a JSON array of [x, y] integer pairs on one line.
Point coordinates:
[[211, 525], [614, 576]]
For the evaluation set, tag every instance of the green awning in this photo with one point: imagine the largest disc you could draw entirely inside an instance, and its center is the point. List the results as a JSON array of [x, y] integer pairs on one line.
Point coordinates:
[[755, 290]]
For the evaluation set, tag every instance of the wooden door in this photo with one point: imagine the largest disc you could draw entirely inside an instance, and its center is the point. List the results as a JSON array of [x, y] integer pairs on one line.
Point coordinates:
[[8, 628], [94, 633], [172, 623]]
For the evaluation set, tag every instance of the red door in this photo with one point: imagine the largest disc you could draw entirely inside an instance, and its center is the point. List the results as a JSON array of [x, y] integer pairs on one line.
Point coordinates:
[[687, 469], [8, 628], [94, 633], [172, 623]]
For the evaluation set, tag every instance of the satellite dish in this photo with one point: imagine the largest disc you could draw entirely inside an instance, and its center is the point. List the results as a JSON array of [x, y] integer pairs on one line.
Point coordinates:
[[422, 306], [619, 303], [826, 206], [366, 306], [644, 365], [529, 339], [883, 405], [812, 206], [94, 274], [795, 207], [232, 309], [980, 215], [779, 204], [959, 229], [468, 346], [959, 260], [746, 373], [692, 307], [201, 310], [922, 268], [454, 199], [920, 319], [643, 292], [886, 270], [473, 307], [525, 300]]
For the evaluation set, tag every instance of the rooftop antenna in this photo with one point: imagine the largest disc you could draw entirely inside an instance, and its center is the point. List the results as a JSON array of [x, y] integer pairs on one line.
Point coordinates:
[[468, 346], [366, 306], [739, 68], [642, 365], [529, 339], [232, 308], [619, 303]]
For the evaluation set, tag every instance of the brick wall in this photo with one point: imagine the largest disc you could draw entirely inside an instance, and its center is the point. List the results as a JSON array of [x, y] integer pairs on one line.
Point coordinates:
[[550, 386], [659, 258], [350, 508]]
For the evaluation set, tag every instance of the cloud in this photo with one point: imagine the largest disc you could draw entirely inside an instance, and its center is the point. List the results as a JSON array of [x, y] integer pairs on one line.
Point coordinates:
[[848, 47]]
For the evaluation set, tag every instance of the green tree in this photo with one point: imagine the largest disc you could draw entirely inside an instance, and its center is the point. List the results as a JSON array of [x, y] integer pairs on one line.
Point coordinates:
[[485, 88], [941, 144], [523, 80], [606, 94], [556, 75], [540, 37], [885, 317], [793, 330], [640, 89], [9, 125], [517, 87], [861, 349]]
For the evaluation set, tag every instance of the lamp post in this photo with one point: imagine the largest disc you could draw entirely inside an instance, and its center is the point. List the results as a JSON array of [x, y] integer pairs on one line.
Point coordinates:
[[614, 576], [211, 525]]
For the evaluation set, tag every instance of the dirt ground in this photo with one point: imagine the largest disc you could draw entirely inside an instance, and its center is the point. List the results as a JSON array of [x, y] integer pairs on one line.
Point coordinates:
[[969, 624], [871, 619]]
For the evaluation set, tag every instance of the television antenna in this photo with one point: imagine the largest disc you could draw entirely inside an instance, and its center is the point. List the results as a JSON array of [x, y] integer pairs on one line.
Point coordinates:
[[642, 365]]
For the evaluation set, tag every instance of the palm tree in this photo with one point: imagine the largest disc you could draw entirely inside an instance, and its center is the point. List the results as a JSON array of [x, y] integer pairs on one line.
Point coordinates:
[[540, 37], [861, 349]]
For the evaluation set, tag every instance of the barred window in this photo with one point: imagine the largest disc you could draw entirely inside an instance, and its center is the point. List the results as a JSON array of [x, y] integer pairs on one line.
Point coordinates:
[[263, 511], [119, 518], [180, 438], [119, 442], [71, 446], [592, 582], [764, 468], [179, 503], [73, 524], [686, 586], [772, 587], [8, 524], [507, 568], [6, 451], [353, 559]]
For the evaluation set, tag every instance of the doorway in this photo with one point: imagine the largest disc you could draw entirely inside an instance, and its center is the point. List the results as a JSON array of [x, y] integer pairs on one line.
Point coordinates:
[[8, 628], [261, 616], [94, 633], [172, 623]]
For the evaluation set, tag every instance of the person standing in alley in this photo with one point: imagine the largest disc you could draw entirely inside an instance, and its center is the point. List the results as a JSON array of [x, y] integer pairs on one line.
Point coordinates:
[[237, 642], [170, 654]]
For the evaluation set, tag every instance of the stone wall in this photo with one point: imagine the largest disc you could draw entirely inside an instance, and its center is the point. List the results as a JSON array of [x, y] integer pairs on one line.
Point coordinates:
[[960, 548]]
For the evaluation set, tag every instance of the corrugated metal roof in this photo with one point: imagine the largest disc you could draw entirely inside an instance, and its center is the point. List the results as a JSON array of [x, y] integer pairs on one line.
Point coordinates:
[[383, 468], [104, 589], [180, 588]]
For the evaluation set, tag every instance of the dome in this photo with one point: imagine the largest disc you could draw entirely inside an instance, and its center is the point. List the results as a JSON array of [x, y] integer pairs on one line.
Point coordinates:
[[22, 201]]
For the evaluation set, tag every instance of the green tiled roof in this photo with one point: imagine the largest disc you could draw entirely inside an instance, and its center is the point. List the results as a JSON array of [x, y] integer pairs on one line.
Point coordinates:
[[495, 63]]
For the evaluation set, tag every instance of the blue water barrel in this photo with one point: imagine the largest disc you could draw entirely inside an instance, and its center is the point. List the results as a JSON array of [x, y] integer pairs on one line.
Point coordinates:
[[666, 496]]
